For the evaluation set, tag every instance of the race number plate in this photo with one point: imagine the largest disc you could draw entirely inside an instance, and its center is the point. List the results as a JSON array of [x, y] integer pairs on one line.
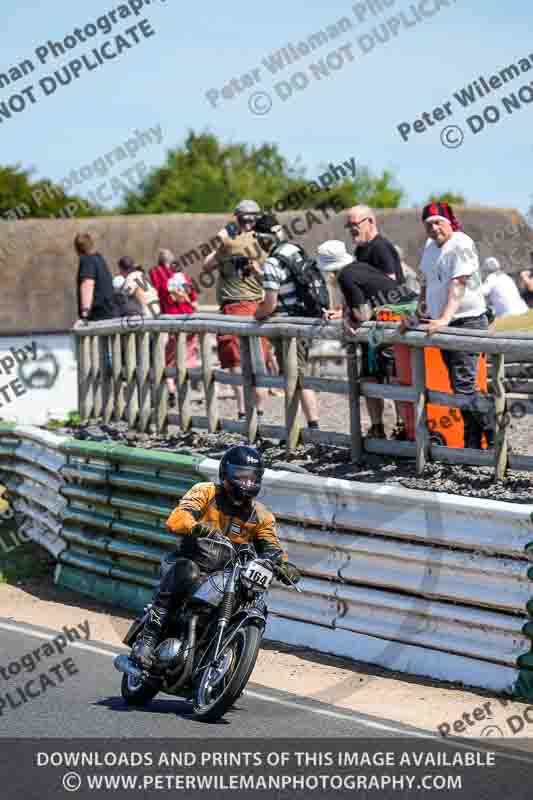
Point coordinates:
[[259, 575]]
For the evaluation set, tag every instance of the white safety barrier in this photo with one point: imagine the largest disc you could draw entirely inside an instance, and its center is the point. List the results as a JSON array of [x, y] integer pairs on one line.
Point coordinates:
[[419, 582]]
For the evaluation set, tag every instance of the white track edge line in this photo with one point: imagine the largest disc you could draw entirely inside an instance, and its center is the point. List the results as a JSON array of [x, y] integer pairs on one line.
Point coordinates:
[[353, 717]]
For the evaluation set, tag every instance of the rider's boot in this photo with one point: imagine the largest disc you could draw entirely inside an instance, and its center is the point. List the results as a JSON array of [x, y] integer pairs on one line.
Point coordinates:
[[144, 647]]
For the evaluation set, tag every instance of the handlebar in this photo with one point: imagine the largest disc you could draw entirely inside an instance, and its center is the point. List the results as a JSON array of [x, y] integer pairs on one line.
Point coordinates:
[[283, 578]]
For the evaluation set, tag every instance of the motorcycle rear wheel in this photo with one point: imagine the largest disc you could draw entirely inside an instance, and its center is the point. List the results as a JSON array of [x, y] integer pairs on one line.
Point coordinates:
[[219, 688]]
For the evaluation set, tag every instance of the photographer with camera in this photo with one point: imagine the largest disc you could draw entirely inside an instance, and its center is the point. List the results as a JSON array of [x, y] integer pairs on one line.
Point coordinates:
[[239, 260]]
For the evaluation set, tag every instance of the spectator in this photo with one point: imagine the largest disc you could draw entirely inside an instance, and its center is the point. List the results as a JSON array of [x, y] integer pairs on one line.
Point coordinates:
[[370, 246], [280, 296], [185, 297], [500, 291], [332, 256], [365, 287], [238, 259], [126, 306], [173, 299], [526, 284], [411, 277], [452, 294], [95, 284], [137, 287]]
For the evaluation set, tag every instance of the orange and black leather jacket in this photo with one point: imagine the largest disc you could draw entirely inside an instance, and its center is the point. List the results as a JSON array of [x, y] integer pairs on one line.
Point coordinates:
[[208, 503]]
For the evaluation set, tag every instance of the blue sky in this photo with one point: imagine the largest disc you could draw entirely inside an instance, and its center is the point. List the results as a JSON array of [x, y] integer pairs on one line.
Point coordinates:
[[354, 112]]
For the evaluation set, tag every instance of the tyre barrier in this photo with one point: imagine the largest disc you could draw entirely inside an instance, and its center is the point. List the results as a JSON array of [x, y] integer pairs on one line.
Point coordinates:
[[424, 583]]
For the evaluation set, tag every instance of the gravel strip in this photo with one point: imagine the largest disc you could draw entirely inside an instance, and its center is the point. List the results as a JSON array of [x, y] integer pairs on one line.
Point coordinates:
[[329, 460]]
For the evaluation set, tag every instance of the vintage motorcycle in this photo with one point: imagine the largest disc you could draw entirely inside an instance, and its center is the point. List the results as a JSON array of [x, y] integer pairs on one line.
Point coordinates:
[[212, 642]]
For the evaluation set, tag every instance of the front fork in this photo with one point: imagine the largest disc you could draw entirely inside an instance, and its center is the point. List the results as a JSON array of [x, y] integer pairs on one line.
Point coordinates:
[[225, 610]]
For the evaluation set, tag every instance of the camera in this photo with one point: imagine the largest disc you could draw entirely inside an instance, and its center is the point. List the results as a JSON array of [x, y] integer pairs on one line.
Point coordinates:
[[241, 265]]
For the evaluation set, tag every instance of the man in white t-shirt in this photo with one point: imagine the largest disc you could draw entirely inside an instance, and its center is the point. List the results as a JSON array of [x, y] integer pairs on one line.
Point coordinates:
[[500, 290], [451, 295]]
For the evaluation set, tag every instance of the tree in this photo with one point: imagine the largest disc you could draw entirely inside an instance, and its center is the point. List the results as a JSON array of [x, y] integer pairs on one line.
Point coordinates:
[[453, 198], [204, 175], [21, 198], [375, 191]]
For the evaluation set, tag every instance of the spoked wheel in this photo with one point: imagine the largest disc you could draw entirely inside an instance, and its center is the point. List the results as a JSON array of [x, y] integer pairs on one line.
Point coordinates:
[[222, 683], [136, 691]]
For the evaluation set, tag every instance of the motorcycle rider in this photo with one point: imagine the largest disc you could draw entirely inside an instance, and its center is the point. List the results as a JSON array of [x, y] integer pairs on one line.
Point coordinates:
[[229, 507]]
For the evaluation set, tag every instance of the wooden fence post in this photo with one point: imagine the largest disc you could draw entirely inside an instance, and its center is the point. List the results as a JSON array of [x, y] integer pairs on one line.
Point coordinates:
[[107, 378], [354, 399], [292, 392], [210, 386], [418, 370], [500, 444], [96, 377], [132, 403], [183, 384], [159, 388], [143, 379], [85, 384], [248, 378], [118, 377]]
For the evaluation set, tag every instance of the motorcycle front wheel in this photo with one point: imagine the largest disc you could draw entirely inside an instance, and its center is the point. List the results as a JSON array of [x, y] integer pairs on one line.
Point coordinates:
[[222, 683]]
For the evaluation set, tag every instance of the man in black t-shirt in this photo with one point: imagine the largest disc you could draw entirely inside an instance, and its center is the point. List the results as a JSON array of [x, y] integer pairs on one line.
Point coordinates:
[[364, 288], [370, 246], [95, 284]]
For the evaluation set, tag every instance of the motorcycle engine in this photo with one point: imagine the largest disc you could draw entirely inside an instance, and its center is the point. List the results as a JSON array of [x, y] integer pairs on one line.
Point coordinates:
[[170, 655]]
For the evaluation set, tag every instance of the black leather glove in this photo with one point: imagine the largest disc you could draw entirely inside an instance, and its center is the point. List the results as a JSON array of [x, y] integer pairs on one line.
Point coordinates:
[[289, 572], [202, 529]]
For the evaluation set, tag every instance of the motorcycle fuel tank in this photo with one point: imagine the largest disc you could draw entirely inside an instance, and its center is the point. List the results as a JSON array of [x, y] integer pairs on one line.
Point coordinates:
[[211, 590]]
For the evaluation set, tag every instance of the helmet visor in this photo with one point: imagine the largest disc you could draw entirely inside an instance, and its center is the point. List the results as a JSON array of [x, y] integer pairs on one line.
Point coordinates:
[[246, 478]]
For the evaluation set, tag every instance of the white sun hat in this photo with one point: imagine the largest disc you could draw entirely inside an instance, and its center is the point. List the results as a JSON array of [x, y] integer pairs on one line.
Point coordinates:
[[332, 256]]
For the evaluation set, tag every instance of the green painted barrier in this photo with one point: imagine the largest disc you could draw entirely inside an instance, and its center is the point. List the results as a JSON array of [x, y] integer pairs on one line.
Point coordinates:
[[117, 494]]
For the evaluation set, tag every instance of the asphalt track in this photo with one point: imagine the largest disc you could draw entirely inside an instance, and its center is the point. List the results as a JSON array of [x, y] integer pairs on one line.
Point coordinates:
[[89, 704]]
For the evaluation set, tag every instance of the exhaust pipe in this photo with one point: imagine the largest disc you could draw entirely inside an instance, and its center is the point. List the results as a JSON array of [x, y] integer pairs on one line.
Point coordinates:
[[124, 664]]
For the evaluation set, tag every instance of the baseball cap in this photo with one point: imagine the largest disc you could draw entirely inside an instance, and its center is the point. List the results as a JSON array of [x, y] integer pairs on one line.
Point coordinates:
[[247, 208]]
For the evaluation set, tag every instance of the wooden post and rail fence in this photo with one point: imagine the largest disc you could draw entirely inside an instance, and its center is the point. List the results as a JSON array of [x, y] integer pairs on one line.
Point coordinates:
[[121, 376]]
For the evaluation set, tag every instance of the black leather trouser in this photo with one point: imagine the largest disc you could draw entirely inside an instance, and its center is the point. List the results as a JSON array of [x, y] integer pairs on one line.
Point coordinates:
[[462, 368], [180, 577]]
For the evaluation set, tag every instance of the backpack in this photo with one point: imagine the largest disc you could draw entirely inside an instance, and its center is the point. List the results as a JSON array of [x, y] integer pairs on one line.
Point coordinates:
[[311, 288]]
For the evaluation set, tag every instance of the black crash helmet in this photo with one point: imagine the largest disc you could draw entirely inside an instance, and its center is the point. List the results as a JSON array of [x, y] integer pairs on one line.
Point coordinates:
[[241, 472]]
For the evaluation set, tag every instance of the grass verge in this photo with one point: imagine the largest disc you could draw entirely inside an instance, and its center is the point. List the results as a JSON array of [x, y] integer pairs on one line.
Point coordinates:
[[24, 561]]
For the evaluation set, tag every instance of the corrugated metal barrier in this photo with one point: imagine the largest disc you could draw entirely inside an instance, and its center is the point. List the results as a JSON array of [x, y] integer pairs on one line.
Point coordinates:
[[419, 582]]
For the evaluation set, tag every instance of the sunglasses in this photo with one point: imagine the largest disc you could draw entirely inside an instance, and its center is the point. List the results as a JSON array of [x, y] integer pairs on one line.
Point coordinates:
[[356, 224]]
